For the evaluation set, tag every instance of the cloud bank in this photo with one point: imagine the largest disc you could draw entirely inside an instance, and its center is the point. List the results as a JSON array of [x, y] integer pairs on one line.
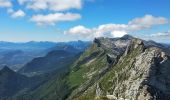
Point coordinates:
[[167, 33], [118, 30]]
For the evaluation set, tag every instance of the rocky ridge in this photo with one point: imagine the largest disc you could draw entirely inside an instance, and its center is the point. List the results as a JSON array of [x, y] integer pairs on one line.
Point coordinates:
[[141, 73]]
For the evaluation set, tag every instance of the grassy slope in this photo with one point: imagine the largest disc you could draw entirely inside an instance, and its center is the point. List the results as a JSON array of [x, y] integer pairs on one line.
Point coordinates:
[[82, 68], [58, 89], [81, 75], [85, 74]]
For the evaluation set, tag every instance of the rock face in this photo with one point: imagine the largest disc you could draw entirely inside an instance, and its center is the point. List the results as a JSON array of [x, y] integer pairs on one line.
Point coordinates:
[[148, 77], [135, 43], [141, 73], [154, 67]]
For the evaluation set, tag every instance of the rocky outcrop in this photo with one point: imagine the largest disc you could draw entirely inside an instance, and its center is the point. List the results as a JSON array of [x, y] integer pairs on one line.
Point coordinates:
[[146, 75], [155, 79], [135, 43], [141, 73], [113, 47]]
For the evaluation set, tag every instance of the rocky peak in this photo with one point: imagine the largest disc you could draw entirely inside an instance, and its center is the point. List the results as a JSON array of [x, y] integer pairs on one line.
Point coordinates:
[[135, 44], [127, 37], [104, 42], [109, 43], [114, 45]]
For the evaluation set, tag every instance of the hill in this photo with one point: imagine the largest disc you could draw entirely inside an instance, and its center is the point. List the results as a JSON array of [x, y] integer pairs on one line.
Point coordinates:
[[11, 82]]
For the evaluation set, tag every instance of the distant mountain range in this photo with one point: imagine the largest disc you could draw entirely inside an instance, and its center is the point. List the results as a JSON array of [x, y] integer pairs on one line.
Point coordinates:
[[37, 45], [166, 44], [32, 45], [52, 61], [16, 55]]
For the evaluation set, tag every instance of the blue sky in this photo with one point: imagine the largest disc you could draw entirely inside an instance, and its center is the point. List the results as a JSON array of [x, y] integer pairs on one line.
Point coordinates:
[[40, 20]]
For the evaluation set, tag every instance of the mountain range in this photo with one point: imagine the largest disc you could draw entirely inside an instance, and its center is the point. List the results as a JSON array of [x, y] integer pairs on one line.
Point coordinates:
[[16, 55], [125, 68]]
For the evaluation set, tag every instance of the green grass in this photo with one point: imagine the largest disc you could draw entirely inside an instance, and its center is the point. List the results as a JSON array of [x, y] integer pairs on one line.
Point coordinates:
[[78, 76], [89, 96]]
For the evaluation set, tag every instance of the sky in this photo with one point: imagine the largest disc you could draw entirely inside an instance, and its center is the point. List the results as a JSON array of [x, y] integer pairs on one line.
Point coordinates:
[[70, 20]]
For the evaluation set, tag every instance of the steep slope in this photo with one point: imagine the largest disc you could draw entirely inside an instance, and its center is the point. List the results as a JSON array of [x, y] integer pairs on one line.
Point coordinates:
[[140, 74], [53, 60], [11, 83], [54, 86], [55, 64], [53, 89]]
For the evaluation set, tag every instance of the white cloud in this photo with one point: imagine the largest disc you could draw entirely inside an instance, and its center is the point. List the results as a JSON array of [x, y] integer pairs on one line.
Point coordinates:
[[147, 22], [17, 14], [108, 27], [55, 5], [108, 30], [56, 10], [80, 29], [167, 33], [5, 3], [81, 32], [118, 33], [52, 19], [119, 30]]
